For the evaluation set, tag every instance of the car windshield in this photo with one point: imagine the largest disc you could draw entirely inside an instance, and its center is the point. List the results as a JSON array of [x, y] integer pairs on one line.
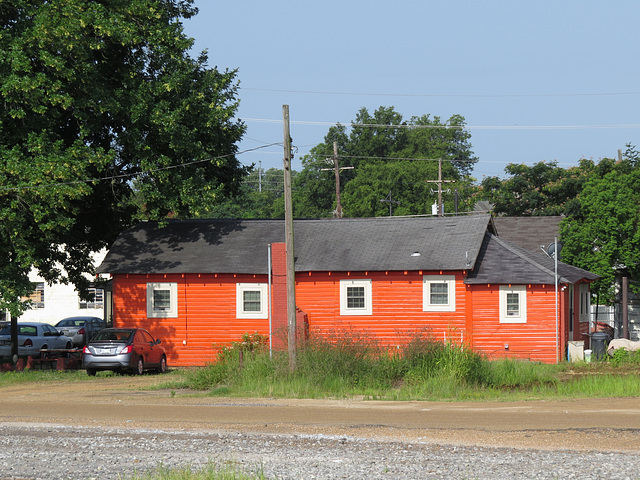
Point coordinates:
[[112, 336], [70, 323]]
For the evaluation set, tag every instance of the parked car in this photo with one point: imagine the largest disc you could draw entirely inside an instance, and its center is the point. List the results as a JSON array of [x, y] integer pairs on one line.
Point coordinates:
[[32, 338], [80, 329], [131, 350]]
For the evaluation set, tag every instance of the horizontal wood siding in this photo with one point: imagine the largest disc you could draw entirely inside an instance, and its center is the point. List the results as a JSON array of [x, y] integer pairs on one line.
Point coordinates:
[[397, 308], [206, 314], [534, 340]]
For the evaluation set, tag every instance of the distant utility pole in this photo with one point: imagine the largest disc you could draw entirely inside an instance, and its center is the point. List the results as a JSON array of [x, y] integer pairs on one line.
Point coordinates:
[[388, 200], [440, 181], [337, 168], [288, 231]]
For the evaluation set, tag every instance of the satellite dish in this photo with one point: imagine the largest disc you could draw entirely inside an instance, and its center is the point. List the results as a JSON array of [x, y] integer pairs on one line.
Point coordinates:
[[551, 249]]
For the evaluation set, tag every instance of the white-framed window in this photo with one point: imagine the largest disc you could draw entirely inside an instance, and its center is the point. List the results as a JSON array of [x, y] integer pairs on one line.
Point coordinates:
[[252, 300], [585, 302], [513, 304], [97, 300], [162, 300], [439, 293], [355, 297], [37, 297]]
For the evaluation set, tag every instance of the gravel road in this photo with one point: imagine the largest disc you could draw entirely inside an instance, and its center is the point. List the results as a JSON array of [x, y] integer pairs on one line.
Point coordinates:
[[108, 429]]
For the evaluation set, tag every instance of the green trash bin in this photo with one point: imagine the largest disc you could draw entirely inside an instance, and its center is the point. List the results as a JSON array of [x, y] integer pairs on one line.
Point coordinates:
[[599, 342]]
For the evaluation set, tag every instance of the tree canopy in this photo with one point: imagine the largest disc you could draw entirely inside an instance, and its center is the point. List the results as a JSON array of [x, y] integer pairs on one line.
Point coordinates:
[[603, 235], [385, 155], [102, 107], [543, 189], [600, 202]]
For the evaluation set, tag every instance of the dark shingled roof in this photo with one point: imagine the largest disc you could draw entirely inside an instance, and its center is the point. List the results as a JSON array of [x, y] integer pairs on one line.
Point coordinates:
[[503, 262], [528, 232], [347, 244]]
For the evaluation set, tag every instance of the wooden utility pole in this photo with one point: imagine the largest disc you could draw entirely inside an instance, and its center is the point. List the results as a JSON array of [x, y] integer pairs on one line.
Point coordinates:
[[624, 303], [337, 168], [440, 181], [390, 201], [288, 230]]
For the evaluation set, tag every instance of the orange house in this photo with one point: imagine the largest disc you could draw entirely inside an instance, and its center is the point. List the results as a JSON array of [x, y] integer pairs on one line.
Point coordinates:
[[201, 284]]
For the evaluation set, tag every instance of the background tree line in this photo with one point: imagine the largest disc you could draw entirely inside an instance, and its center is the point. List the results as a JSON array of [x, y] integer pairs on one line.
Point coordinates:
[[384, 155]]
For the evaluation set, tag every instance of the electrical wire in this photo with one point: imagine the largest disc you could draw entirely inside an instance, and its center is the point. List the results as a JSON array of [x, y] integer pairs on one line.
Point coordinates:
[[370, 157], [129, 175], [446, 95], [453, 127]]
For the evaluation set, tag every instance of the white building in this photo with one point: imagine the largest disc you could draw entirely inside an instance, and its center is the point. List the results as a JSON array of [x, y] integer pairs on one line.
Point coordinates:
[[52, 303]]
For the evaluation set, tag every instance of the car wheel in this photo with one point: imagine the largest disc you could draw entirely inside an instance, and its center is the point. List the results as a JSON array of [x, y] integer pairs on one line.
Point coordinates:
[[163, 365], [140, 366], [44, 355], [91, 372]]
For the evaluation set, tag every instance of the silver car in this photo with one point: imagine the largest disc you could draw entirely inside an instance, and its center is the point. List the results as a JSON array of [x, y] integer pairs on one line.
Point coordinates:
[[131, 350], [32, 338], [80, 329]]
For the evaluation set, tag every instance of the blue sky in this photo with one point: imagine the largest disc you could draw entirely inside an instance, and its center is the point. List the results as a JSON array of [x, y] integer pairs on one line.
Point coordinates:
[[535, 80]]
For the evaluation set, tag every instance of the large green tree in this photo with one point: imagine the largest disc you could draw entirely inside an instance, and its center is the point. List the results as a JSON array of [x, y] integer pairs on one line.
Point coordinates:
[[603, 236], [102, 105], [385, 153], [542, 189], [545, 188]]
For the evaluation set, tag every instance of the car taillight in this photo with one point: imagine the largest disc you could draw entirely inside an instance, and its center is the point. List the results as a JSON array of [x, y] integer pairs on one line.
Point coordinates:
[[28, 343], [81, 331], [86, 350], [126, 349]]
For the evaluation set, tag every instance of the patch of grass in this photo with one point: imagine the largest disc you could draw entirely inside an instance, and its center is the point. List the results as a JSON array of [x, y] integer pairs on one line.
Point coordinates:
[[350, 364], [211, 471], [33, 376]]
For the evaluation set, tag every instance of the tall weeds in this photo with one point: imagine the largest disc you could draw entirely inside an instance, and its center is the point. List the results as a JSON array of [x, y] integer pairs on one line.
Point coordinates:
[[344, 363]]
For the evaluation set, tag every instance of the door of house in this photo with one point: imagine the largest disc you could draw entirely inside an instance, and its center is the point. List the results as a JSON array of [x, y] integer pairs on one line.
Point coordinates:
[[571, 319]]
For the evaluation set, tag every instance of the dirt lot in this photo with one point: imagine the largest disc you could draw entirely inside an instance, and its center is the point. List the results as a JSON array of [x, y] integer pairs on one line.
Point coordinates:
[[593, 424]]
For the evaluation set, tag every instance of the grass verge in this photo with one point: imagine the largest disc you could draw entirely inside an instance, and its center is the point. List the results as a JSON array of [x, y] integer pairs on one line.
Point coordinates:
[[348, 365]]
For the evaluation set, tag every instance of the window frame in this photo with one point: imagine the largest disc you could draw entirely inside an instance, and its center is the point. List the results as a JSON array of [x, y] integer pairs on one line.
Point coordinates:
[[505, 291], [97, 302], [172, 311], [365, 283], [584, 295], [37, 299], [263, 289], [427, 282]]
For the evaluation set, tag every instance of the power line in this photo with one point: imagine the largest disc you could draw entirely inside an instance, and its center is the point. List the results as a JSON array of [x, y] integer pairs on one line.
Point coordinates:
[[370, 157], [472, 127], [448, 95], [130, 175]]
